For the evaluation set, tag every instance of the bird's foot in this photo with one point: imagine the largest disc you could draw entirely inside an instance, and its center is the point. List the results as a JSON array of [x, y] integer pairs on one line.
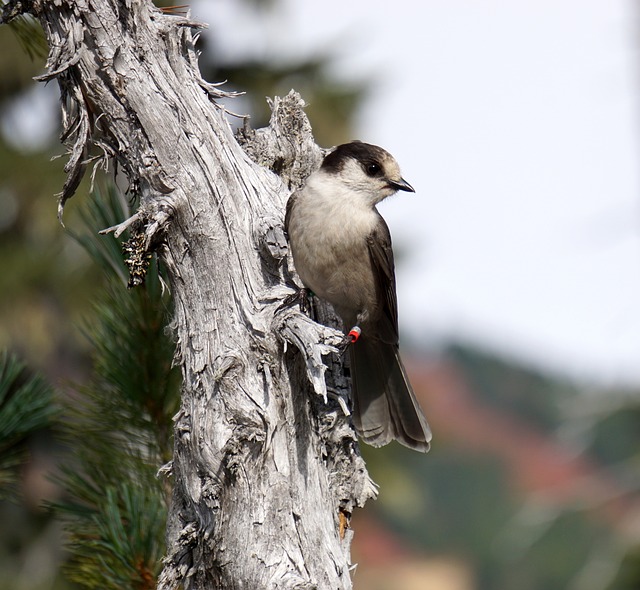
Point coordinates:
[[301, 297]]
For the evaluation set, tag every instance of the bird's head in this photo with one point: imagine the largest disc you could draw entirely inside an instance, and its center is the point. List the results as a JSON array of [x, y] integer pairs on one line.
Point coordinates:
[[367, 170]]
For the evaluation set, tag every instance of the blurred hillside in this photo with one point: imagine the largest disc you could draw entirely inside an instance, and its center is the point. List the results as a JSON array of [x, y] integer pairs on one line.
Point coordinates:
[[531, 483]]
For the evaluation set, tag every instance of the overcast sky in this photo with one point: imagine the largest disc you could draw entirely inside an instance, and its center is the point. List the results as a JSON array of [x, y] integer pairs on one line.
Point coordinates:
[[517, 123]]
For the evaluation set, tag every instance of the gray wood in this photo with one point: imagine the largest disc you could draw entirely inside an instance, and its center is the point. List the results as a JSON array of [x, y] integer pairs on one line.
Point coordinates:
[[266, 467]]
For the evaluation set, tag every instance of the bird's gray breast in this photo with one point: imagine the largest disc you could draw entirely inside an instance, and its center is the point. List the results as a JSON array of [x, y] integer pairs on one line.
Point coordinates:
[[328, 237]]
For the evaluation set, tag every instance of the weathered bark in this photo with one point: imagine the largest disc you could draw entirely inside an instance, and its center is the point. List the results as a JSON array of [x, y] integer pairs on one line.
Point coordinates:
[[266, 466]]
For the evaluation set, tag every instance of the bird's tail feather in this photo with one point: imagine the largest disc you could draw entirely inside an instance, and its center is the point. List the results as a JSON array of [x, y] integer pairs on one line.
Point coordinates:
[[385, 406]]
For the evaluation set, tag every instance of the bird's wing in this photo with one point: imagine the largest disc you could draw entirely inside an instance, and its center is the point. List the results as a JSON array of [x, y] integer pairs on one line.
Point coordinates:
[[381, 254], [287, 215]]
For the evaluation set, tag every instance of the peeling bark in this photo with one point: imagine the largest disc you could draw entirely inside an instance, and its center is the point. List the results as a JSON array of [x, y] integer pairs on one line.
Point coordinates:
[[266, 466]]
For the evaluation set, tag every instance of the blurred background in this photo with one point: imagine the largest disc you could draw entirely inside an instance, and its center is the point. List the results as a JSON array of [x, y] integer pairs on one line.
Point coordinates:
[[517, 260]]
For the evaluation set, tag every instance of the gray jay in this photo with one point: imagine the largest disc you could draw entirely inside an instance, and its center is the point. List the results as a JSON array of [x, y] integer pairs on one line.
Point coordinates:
[[341, 248]]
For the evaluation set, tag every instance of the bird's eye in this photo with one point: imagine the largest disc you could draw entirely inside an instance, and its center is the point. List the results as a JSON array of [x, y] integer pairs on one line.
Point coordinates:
[[373, 169]]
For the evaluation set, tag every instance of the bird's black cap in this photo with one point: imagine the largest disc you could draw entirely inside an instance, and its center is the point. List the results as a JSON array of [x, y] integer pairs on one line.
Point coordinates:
[[365, 153]]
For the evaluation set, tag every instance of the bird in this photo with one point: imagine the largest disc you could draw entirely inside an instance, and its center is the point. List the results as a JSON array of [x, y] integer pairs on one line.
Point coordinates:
[[342, 252]]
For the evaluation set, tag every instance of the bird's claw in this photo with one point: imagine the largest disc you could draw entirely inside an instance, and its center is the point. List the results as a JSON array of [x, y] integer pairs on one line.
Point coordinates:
[[300, 297]]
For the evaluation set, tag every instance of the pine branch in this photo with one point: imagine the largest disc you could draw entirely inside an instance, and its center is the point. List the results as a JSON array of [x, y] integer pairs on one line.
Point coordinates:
[[27, 29], [119, 425], [26, 406]]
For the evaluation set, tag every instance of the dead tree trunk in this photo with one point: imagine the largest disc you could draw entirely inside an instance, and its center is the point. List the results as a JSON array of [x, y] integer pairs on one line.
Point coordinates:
[[266, 472]]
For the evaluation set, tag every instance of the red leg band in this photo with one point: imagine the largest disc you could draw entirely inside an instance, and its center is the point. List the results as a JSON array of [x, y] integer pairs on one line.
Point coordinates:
[[354, 334]]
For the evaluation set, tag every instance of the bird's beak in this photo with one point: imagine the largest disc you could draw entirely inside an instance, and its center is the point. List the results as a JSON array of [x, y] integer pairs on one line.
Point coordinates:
[[401, 185]]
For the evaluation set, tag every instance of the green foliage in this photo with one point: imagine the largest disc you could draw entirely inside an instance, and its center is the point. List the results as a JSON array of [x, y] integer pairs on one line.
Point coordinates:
[[26, 406], [118, 427], [116, 533], [30, 36], [17, 67], [628, 576], [444, 501], [615, 436], [512, 388], [550, 554]]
